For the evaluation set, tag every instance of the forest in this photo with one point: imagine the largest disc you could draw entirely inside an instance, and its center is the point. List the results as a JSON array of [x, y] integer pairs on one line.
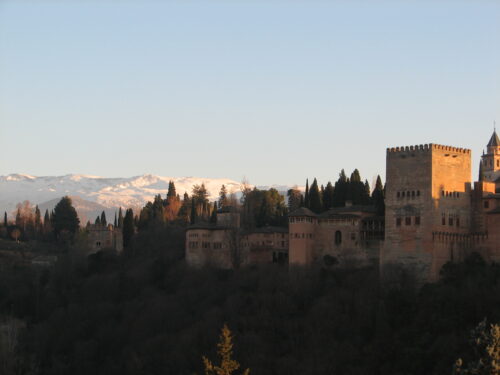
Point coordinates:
[[145, 312]]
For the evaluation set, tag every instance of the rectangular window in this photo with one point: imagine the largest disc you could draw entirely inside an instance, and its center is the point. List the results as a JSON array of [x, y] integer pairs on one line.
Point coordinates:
[[458, 221], [443, 220], [450, 221], [408, 220], [417, 220], [398, 222], [486, 204]]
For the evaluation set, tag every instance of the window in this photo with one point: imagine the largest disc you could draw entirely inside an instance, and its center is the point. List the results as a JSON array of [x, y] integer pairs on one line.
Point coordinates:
[[217, 245], [486, 204], [98, 243], [408, 220], [418, 193], [442, 193], [353, 236], [398, 194], [443, 219], [458, 221], [413, 194], [338, 237], [403, 194], [398, 222], [417, 220], [450, 221]]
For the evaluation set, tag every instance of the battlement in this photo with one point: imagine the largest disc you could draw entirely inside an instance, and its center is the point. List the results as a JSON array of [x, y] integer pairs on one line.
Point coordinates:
[[427, 147]]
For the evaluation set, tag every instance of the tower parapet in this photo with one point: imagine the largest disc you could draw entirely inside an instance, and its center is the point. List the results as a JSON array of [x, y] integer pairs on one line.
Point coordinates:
[[428, 147]]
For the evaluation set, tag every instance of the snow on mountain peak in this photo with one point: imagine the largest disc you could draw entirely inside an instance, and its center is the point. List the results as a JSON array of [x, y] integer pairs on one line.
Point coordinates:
[[111, 193]]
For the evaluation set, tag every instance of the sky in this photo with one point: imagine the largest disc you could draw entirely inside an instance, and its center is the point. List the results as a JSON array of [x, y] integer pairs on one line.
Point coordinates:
[[270, 91]]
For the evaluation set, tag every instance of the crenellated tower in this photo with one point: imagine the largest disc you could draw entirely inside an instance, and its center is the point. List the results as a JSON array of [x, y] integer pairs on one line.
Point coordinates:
[[428, 192]]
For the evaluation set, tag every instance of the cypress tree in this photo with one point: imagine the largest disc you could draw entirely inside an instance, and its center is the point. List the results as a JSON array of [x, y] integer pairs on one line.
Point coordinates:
[[183, 213], [213, 217], [222, 196], [18, 218], [38, 217], [97, 220], [378, 197], [128, 227], [366, 193], [115, 223], [192, 217], [340, 191], [171, 190], [315, 198], [104, 223], [120, 218], [47, 228], [481, 172], [306, 196], [5, 219], [328, 196], [65, 217]]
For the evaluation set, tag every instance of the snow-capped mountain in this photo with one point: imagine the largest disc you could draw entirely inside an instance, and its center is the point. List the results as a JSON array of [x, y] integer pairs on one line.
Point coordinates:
[[108, 193]]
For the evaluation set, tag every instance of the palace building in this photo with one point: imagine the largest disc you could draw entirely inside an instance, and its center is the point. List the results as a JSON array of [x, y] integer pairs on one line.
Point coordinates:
[[434, 213]]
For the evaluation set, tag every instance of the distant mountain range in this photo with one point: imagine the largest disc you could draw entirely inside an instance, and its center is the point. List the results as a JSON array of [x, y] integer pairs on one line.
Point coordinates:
[[92, 194]]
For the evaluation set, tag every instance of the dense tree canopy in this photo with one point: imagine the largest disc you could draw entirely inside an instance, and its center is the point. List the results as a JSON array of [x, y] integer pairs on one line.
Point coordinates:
[[65, 218]]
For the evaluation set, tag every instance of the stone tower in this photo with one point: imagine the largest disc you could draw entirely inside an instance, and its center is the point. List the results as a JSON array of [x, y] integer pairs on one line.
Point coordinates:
[[490, 162], [428, 192]]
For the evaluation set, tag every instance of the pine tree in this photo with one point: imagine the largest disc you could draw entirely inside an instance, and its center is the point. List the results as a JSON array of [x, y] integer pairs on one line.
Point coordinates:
[[227, 365], [315, 198], [104, 223], [120, 218], [65, 218], [128, 229], [306, 196]]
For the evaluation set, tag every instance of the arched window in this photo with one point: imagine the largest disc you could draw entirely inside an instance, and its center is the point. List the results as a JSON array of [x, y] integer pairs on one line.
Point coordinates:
[[338, 237]]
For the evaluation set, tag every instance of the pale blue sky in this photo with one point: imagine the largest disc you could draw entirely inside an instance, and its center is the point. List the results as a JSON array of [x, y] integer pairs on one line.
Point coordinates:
[[274, 91]]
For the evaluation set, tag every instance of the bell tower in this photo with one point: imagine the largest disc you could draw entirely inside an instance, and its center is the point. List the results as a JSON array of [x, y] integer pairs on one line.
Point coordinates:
[[490, 162]]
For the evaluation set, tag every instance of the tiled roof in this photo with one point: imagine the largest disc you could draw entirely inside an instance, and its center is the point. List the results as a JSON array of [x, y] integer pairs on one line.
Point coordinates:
[[494, 140], [302, 211]]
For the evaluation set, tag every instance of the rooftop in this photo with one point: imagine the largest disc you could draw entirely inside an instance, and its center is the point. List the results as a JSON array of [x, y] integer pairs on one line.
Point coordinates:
[[494, 140]]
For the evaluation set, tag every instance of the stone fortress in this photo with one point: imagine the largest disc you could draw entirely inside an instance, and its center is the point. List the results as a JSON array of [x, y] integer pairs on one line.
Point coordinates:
[[434, 214]]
